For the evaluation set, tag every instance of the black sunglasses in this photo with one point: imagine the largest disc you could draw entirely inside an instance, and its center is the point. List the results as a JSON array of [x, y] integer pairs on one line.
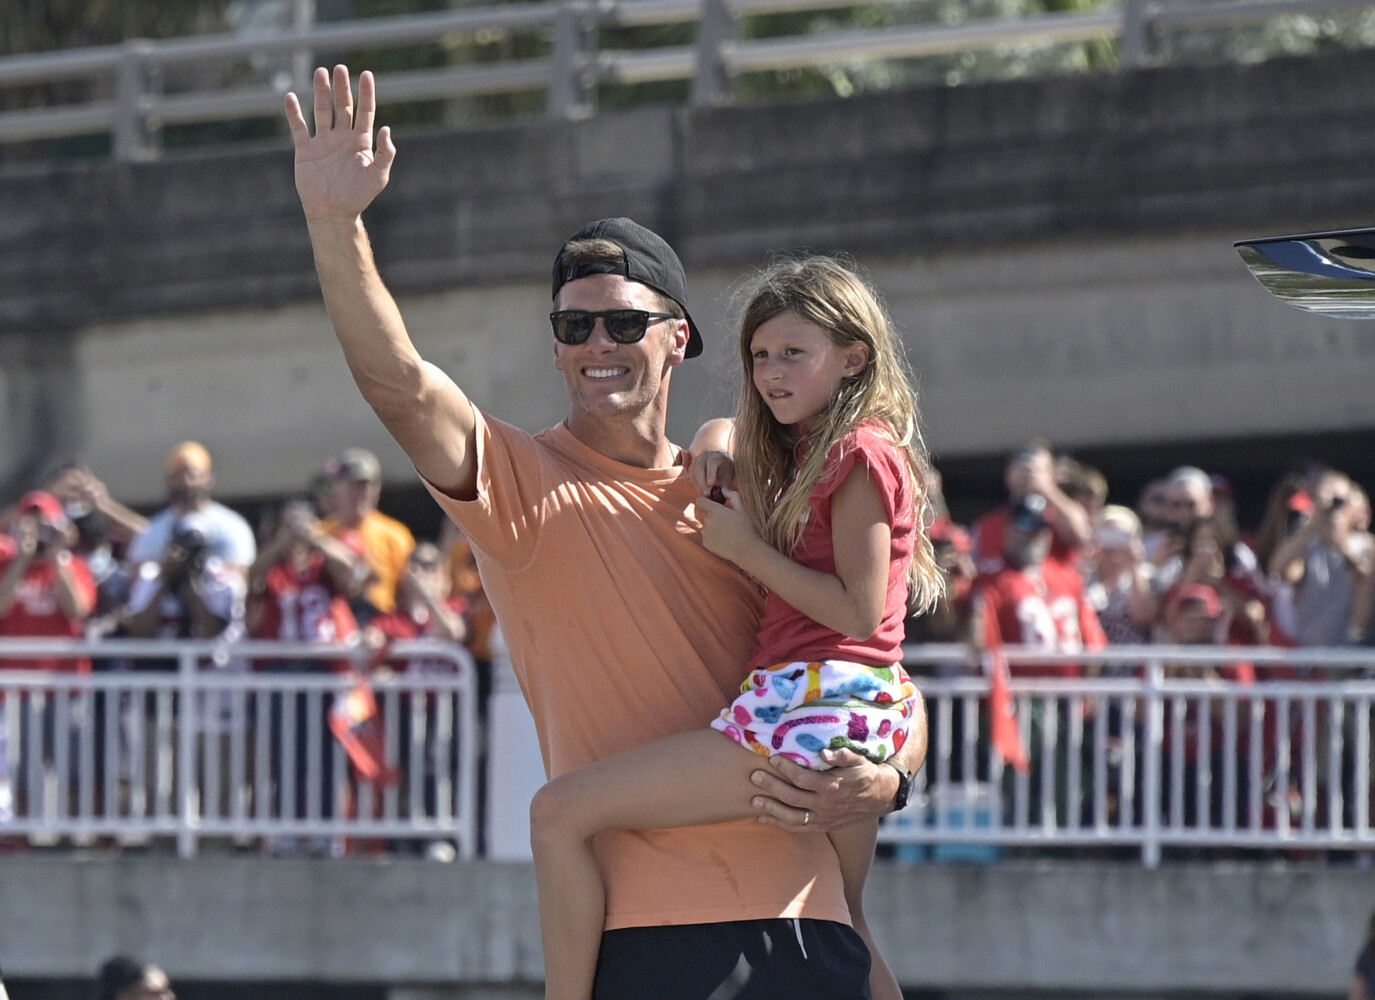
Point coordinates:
[[625, 326]]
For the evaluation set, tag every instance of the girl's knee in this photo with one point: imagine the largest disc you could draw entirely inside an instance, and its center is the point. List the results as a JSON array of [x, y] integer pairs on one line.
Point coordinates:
[[553, 813]]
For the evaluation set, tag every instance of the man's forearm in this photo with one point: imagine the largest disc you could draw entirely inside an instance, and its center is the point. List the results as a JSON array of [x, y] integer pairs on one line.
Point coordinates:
[[379, 352]]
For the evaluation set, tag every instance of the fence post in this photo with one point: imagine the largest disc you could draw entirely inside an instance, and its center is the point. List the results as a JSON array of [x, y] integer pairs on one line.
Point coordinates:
[[1135, 33], [716, 30], [571, 91], [187, 715], [1151, 752], [133, 139], [302, 60]]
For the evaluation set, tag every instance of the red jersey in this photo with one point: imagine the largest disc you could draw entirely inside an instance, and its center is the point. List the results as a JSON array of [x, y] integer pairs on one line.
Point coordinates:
[[785, 634], [304, 605], [1044, 608], [37, 613], [990, 535], [398, 626]]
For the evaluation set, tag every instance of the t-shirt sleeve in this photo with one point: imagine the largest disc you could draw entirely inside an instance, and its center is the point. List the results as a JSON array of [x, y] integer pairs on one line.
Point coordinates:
[[511, 480], [866, 449]]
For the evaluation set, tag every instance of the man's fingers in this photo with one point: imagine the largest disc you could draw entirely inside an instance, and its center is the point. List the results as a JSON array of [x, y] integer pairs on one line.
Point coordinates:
[[324, 101], [842, 758], [367, 102], [343, 98], [789, 786], [296, 120], [386, 151]]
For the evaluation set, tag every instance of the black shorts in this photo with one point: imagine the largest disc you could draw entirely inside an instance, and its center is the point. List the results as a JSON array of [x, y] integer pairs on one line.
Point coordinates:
[[737, 960]]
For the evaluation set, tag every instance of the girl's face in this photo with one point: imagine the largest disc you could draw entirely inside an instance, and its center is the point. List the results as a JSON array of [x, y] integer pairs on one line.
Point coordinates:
[[797, 368]]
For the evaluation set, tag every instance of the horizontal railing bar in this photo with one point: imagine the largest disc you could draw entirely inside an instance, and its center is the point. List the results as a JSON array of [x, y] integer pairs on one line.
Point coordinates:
[[369, 33], [1222, 15], [55, 123], [44, 67], [647, 67], [181, 109], [892, 43]]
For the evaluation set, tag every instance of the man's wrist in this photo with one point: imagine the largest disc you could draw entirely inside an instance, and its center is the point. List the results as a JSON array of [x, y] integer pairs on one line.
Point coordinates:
[[898, 801]]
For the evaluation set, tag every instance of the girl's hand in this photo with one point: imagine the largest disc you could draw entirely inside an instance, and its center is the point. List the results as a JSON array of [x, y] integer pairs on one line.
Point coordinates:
[[726, 530], [712, 470]]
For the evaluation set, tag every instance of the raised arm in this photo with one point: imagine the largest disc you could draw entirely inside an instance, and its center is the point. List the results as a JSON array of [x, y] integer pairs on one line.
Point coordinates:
[[338, 174]]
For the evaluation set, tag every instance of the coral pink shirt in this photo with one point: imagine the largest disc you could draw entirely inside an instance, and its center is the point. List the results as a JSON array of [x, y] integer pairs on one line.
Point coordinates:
[[786, 634]]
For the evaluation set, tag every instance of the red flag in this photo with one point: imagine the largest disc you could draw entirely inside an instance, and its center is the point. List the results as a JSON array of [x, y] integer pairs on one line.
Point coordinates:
[[1007, 735], [357, 725]]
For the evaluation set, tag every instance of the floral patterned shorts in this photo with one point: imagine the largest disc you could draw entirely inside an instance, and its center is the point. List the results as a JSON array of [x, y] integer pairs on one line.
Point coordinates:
[[798, 709]]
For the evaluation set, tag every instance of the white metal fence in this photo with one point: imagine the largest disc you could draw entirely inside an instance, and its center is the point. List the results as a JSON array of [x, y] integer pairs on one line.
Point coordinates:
[[190, 740], [127, 96], [1158, 750], [1162, 749]]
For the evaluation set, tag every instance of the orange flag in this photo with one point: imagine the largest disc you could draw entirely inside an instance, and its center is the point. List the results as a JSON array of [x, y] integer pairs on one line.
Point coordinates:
[[1007, 735]]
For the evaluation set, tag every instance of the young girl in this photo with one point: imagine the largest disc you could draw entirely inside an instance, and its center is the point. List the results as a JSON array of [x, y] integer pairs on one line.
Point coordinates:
[[831, 474]]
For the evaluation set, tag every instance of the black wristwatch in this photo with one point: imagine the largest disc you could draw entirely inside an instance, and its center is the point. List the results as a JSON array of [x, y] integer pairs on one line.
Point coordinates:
[[904, 785]]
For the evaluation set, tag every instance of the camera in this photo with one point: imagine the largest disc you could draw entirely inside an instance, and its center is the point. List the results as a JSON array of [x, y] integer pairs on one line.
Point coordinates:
[[192, 541]]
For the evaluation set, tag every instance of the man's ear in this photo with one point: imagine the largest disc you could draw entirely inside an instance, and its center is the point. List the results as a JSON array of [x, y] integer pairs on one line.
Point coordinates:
[[681, 334]]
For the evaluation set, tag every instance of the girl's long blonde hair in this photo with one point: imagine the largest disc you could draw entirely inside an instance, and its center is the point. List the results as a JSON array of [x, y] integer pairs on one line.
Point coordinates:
[[827, 292]]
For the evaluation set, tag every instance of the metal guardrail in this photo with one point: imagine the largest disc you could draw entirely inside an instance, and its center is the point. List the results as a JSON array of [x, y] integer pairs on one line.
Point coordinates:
[[1166, 754], [234, 741], [127, 101], [1154, 751]]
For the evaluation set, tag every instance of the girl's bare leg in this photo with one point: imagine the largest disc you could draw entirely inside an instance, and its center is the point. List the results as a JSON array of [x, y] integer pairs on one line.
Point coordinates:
[[854, 845], [695, 777]]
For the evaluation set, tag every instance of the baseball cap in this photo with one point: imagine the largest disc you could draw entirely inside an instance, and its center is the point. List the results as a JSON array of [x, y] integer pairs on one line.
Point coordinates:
[[46, 505], [356, 465], [648, 260], [1202, 594]]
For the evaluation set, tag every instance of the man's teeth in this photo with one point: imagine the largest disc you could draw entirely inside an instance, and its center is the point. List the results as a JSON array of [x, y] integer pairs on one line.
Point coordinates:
[[603, 372]]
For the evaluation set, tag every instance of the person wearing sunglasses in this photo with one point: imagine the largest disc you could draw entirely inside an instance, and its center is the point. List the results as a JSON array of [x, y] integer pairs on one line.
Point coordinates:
[[622, 628]]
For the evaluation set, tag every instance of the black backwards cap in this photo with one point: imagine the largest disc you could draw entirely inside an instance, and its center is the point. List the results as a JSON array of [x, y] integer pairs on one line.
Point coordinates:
[[648, 260]]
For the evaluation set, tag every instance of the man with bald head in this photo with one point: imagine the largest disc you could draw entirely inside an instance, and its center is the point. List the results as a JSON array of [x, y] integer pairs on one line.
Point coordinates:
[[190, 476]]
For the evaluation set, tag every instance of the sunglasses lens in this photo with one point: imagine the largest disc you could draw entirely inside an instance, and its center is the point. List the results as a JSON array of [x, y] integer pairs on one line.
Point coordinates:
[[627, 326], [573, 327]]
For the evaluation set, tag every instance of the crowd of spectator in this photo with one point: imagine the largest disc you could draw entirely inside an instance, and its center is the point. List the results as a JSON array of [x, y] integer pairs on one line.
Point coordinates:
[[1053, 567], [325, 567], [1057, 568], [1061, 568]]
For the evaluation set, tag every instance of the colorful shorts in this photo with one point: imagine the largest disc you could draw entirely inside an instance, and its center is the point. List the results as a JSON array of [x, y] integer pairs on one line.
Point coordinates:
[[798, 709]]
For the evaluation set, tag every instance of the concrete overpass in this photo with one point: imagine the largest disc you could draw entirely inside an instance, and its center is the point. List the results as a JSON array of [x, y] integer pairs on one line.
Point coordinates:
[[1057, 252]]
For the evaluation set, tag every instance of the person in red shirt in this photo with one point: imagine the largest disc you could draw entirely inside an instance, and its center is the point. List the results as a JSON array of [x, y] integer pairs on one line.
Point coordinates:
[[1031, 473], [425, 609], [299, 591], [45, 591], [1037, 601]]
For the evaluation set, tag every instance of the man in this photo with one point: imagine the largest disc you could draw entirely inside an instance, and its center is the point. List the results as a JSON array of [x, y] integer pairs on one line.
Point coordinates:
[[189, 477], [1040, 602], [383, 542], [622, 627], [1030, 472]]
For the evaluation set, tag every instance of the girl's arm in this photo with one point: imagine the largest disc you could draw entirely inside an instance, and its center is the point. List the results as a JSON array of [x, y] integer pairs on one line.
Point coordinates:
[[850, 600]]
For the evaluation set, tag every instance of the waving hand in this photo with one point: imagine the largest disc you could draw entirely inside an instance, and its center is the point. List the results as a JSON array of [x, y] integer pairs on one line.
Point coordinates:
[[338, 171]]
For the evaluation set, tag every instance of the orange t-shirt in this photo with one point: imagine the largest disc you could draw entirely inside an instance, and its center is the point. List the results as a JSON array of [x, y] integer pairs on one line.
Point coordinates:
[[623, 629]]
